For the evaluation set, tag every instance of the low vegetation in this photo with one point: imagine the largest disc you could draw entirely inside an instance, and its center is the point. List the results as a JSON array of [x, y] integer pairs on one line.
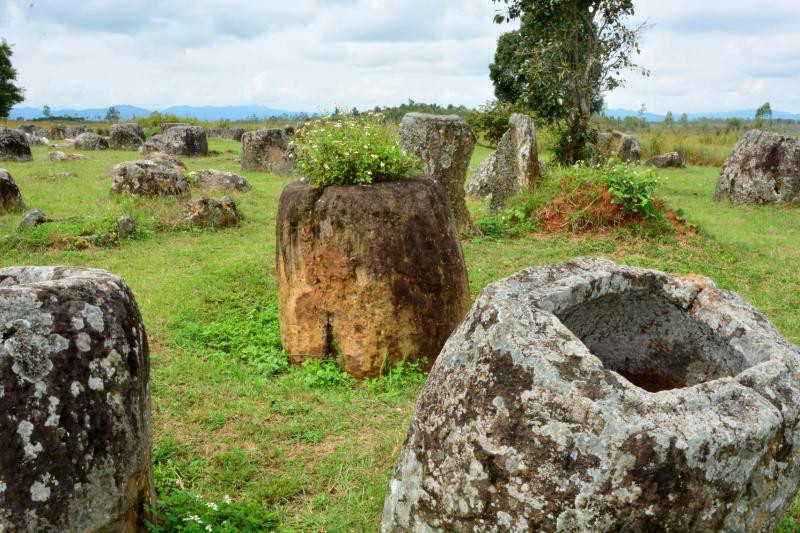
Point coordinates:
[[245, 440], [352, 149], [584, 198]]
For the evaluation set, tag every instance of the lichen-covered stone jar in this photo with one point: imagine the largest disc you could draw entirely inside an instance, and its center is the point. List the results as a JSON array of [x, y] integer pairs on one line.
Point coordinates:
[[588, 396], [74, 402]]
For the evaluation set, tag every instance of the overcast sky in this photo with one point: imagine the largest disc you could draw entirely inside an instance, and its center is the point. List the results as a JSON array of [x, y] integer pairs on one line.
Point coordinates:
[[309, 55]]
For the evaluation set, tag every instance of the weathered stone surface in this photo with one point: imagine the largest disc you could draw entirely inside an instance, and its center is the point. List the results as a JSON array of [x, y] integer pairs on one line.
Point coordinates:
[[629, 151], [215, 132], [620, 144], [209, 213], [153, 144], [167, 160], [90, 141], [62, 156], [126, 226], [33, 218], [74, 402], [218, 180], [32, 130], [148, 178], [234, 134], [444, 144], [58, 132], [167, 125], [668, 160], [10, 197], [126, 137], [538, 414], [370, 275], [14, 146], [36, 141], [512, 168], [267, 150], [764, 168], [73, 132], [187, 141]]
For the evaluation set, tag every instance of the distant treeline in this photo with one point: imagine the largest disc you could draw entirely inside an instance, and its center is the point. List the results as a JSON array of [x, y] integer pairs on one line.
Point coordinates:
[[396, 113]]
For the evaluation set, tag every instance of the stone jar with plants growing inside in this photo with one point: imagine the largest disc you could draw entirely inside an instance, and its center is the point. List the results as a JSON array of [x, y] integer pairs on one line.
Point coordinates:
[[370, 268]]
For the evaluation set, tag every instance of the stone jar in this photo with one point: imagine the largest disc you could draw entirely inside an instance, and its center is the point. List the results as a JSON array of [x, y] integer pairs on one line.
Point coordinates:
[[267, 150], [444, 144], [369, 274], [589, 396], [763, 168], [74, 402]]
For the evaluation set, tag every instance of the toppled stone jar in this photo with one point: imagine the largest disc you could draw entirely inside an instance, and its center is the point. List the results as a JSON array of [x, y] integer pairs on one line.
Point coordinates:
[[74, 402], [588, 396]]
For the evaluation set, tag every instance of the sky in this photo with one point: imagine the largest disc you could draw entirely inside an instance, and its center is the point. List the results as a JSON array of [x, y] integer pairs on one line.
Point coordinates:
[[311, 55]]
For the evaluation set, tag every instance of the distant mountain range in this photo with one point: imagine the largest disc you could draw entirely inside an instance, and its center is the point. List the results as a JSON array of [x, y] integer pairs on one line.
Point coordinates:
[[127, 112], [244, 112], [718, 115]]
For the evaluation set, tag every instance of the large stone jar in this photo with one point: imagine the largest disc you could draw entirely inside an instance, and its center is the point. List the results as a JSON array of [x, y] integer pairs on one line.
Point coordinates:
[[588, 396], [370, 275], [267, 150], [74, 402], [763, 168]]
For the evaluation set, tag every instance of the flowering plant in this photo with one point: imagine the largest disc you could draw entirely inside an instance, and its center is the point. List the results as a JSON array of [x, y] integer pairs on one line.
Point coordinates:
[[350, 149]]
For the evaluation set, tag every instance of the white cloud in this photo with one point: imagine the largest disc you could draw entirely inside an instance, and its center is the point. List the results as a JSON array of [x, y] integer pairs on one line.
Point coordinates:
[[716, 55], [310, 54]]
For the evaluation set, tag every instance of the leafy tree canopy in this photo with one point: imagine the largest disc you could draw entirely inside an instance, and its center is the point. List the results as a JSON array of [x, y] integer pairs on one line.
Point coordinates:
[[563, 58], [112, 114], [10, 93]]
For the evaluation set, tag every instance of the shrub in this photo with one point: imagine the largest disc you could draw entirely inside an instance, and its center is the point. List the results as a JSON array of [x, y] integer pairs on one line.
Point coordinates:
[[631, 188], [491, 120], [349, 150], [583, 198]]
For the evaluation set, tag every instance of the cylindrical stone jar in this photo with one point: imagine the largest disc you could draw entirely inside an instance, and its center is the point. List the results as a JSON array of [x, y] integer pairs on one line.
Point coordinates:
[[369, 274], [74, 402]]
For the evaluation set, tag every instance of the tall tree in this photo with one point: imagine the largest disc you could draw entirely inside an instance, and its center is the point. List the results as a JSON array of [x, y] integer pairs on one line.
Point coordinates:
[[668, 119], [46, 111], [10, 93], [564, 57], [112, 115], [765, 111], [684, 120]]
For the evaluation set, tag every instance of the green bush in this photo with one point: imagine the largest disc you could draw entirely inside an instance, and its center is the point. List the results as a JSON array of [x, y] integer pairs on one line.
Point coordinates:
[[632, 188], [349, 150], [491, 120], [581, 198]]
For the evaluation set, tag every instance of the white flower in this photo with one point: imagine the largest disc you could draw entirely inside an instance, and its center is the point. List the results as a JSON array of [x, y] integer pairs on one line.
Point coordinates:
[[209, 528], [212, 505], [227, 499], [193, 518]]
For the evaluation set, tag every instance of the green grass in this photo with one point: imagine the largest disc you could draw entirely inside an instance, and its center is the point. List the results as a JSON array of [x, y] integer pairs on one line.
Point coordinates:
[[305, 448]]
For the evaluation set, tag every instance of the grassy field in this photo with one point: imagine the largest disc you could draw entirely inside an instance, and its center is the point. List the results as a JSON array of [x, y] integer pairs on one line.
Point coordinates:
[[305, 448]]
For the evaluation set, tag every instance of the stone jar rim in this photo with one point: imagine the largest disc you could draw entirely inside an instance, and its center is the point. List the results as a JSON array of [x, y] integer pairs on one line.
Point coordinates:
[[550, 293]]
